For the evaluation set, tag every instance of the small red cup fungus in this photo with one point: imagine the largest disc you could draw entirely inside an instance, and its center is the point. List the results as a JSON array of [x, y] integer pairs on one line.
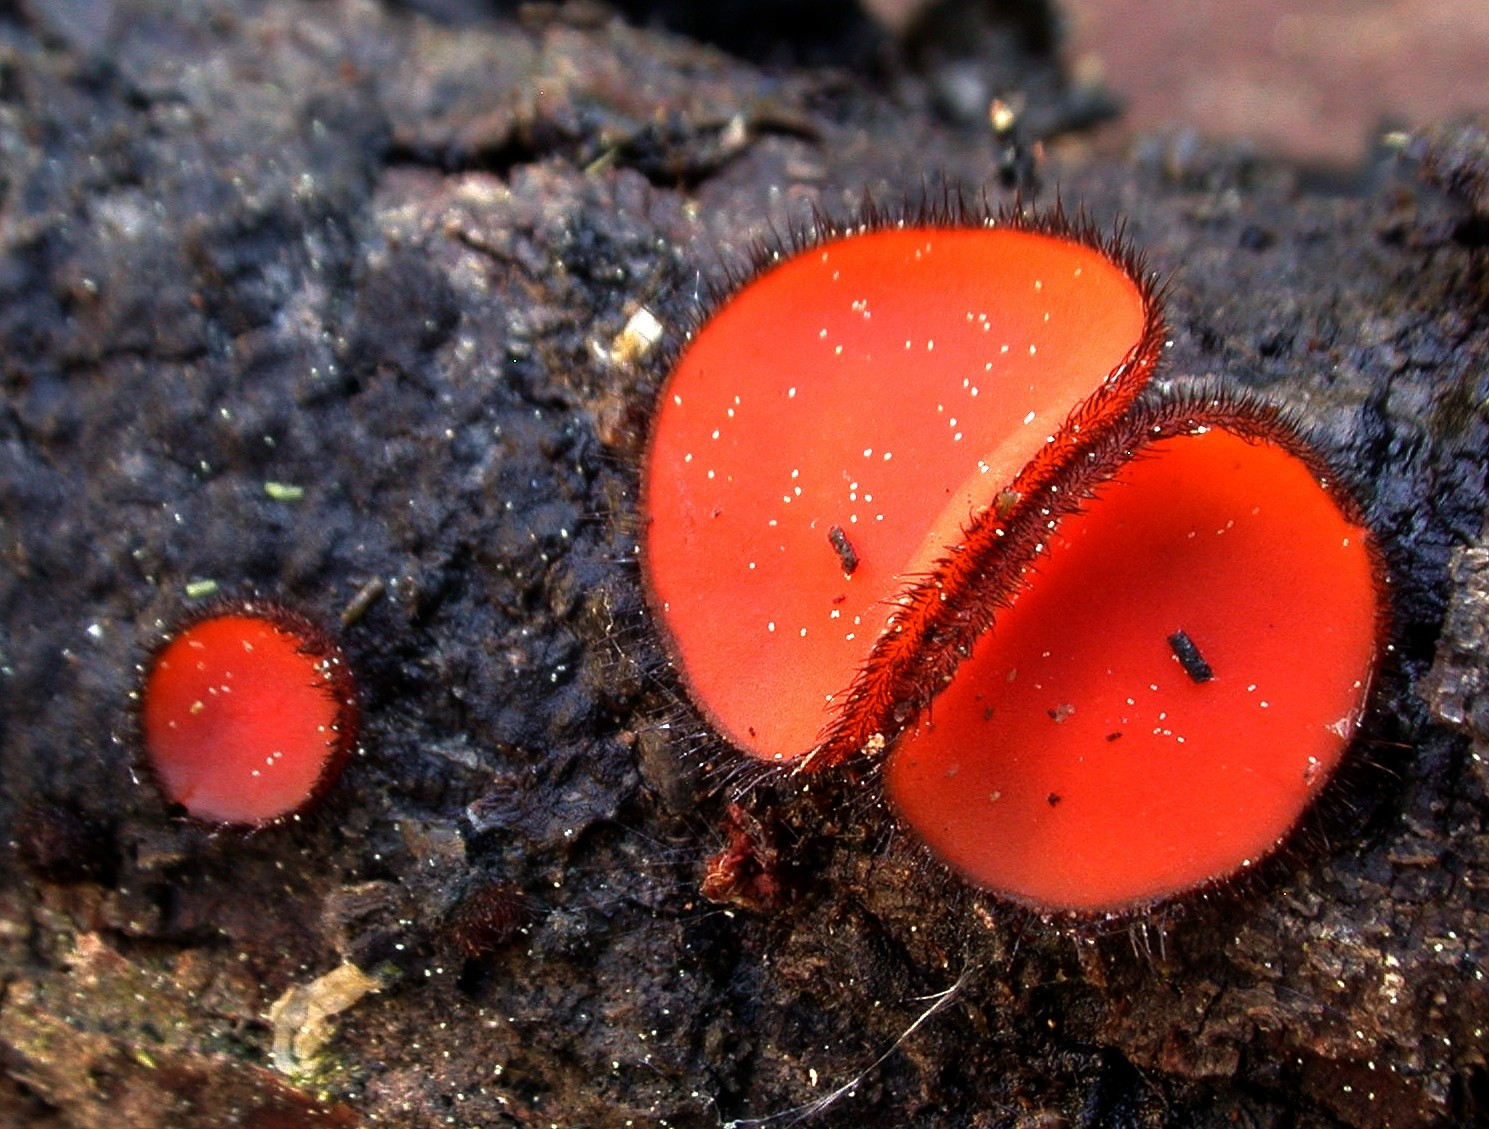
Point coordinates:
[[247, 713], [1177, 677], [830, 428]]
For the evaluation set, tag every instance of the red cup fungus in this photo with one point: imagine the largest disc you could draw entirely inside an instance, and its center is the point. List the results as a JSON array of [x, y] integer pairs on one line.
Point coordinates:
[[1178, 677], [830, 428], [248, 713], [901, 494]]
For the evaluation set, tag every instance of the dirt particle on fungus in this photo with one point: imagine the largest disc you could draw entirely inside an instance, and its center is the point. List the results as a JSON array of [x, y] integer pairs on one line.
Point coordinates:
[[1189, 657], [847, 555]]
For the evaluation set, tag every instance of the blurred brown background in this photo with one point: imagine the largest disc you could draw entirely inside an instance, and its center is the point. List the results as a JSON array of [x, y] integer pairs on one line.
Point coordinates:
[[1313, 81]]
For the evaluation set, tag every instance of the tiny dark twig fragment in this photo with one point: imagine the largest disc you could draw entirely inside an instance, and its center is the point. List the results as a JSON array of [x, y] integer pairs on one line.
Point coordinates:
[[844, 549], [1190, 659]]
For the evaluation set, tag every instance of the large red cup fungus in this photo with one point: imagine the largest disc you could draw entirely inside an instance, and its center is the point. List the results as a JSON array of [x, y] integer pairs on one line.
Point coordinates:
[[829, 429], [1180, 674], [247, 713], [902, 479]]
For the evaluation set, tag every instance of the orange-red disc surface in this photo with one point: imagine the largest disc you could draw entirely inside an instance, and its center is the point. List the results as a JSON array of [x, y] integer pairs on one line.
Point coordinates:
[[830, 429], [1078, 761], [241, 722]]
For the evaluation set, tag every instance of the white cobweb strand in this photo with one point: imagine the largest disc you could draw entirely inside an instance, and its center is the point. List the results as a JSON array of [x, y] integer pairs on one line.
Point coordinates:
[[797, 1114]]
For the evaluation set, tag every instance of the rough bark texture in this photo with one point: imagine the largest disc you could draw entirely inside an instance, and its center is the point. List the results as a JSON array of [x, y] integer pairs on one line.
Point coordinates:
[[348, 248]]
